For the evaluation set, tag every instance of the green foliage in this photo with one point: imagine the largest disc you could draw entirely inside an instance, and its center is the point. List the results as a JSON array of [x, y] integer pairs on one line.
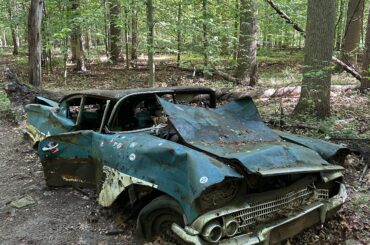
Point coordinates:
[[4, 102]]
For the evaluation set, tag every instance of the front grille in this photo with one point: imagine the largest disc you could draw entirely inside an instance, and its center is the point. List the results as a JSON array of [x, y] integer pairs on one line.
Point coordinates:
[[279, 207]]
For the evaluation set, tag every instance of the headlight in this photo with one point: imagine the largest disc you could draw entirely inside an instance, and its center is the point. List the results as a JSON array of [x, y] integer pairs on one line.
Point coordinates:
[[212, 232], [217, 196]]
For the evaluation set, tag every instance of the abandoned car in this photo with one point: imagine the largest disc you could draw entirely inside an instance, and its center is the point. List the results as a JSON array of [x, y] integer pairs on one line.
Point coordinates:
[[198, 173]]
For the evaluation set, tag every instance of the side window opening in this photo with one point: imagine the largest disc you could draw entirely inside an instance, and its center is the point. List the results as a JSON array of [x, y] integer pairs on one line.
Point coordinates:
[[73, 108], [91, 116], [92, 113]]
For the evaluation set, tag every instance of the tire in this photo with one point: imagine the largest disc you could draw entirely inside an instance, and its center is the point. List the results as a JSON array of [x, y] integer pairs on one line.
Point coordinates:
[[156, 219]]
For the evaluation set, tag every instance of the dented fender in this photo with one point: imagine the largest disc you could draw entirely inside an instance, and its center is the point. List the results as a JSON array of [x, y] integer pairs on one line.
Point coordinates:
[[83, 158]]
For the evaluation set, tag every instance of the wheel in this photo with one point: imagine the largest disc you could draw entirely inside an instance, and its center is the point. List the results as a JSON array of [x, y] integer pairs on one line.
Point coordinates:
[[156, 219]]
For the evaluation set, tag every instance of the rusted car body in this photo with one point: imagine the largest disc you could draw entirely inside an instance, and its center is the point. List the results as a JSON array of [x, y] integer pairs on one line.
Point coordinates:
[[207, 174]]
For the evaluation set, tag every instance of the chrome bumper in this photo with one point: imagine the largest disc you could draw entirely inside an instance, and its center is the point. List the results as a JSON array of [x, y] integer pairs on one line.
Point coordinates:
[[189, 235]]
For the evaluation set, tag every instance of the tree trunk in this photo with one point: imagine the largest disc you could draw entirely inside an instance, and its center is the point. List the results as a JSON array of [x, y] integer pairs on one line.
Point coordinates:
[[150, 40], [246, 69], [115, 30], [76, 38], [4, 41], [339, 26], [205, 33], [34, 42], [179, 29], [315, 95], [134, 30], [365, 81], [13, 29], [106, 29], [352, 34], [126, 38], [236, 30]]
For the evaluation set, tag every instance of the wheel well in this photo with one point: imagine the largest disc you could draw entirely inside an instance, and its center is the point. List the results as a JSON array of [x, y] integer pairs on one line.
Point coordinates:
[[161, 209]]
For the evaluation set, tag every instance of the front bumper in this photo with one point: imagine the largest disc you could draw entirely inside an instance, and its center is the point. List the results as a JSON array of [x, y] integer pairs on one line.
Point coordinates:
[[277, 231]]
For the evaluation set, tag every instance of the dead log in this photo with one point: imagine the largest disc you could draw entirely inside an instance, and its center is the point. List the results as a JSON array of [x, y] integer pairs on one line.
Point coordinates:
[[337, 61], [20, 94], [198, 72], [295, 91]]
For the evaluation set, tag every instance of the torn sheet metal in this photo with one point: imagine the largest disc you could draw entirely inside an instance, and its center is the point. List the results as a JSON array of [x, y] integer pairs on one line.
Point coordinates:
[[235, 131]]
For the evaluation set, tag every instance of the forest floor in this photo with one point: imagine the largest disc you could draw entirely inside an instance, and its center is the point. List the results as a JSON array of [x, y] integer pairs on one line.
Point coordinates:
[[69, 216]]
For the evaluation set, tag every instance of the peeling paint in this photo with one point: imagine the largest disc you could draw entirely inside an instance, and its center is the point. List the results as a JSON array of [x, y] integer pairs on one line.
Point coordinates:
[[116, 182]]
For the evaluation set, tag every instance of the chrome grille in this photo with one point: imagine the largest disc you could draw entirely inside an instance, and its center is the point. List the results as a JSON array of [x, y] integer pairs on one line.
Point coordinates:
[[261, 212]]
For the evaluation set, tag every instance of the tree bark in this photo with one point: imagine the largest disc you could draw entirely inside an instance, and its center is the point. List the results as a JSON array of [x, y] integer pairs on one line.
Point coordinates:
[[134, 30], [205, 32], [13, 29], [315, 96], [179, 30], [126, 38], [246, 69], [115, 30], [150, 41], [352, 34], [365, 81], [236, 30], [339, 26], [34, 42], [76, 38]]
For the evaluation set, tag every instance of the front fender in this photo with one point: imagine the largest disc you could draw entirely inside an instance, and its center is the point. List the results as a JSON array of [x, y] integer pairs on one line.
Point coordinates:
[[174, 169]]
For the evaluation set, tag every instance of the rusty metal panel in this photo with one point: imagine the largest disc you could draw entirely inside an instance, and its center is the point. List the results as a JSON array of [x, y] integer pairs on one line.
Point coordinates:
[[235, 131]]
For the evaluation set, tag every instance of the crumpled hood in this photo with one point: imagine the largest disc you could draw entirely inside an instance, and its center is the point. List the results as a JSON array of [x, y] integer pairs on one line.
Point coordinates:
[[235, 132]]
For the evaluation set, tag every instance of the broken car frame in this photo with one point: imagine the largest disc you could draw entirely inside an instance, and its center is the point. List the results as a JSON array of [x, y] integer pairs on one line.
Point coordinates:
[[207, 174]]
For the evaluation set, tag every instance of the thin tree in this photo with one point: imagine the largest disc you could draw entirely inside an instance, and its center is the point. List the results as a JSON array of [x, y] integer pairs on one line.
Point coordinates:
[[246, 69], [76, 37], [352, 33], [115, 30], [205, 32], [179, 31], [34, 42], [150, 41], [13, 27], [126, 37], [315, 94], [365, 81], [134, 27]]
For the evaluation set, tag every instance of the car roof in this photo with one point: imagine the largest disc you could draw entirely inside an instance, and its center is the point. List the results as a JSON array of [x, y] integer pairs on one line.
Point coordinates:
[[117, 94]]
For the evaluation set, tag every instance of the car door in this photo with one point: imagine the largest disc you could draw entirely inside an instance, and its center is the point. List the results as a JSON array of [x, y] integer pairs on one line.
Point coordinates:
[[68, 158]]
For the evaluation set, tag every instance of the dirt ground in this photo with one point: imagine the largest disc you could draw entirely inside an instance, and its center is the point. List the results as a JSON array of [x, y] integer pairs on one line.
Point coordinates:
[[58, 216]]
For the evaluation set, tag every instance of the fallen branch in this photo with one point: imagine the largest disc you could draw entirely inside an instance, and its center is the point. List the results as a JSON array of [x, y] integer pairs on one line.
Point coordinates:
[[364, 172], [216, 72], [337, 61]]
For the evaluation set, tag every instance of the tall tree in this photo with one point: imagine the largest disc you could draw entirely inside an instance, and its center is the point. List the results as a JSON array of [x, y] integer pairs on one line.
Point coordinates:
[[365, 81], [76, 37], [34, 42], [179, 31], [150, 41], [315, 94], [134, 31], [352, 33], [115, 30], [13, 27], [205, 32], [247, 52]]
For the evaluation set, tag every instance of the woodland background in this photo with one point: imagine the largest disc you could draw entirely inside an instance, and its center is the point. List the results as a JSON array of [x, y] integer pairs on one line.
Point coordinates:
[[306, 64]]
